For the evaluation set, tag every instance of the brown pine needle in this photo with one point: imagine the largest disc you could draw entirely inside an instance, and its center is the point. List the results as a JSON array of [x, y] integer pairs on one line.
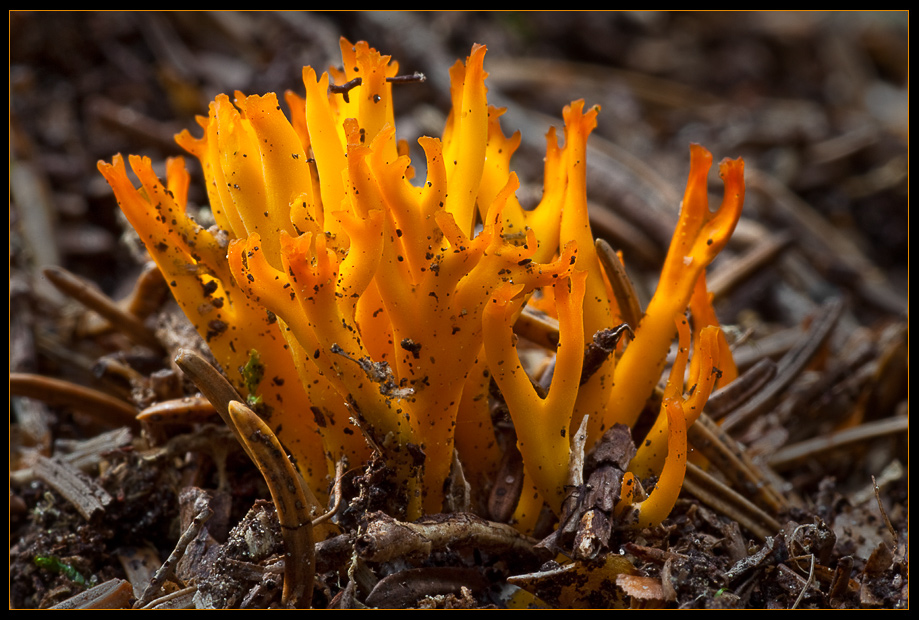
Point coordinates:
[[95, 300], [293, 507], [58, 392], [189, 408], [621, 284], [728, 502], [795, 454]]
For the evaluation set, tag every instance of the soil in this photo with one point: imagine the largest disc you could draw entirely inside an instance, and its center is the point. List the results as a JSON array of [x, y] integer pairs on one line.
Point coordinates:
[[815, 103]]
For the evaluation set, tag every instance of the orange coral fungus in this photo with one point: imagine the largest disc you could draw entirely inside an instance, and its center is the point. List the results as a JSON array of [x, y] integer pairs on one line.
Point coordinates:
[[699, 237], [360, 309]]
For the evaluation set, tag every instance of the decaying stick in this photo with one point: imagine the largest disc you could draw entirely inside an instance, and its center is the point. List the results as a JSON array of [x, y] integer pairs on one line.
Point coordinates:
[[384, 538]]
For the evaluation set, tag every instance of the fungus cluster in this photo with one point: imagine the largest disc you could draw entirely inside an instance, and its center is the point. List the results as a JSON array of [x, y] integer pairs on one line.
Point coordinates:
[[362, 309]]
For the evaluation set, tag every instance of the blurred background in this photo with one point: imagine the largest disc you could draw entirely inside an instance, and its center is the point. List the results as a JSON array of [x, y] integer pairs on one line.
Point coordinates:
[[816, 104]]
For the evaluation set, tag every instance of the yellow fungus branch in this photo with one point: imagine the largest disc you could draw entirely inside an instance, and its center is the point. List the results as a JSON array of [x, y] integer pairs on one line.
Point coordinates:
[[234, 327], [660, 501], [699, 236], [542, 424], [703, 315], [465, 137], [650, 456]]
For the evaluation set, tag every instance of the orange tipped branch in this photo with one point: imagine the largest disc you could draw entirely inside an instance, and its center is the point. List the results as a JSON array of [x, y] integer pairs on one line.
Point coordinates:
[[542, 424], [699, 236]]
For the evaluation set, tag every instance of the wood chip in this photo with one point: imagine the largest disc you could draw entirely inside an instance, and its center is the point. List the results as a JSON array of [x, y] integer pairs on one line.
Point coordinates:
[[644, 588], [86, 496], [112, 594], [385, 538]]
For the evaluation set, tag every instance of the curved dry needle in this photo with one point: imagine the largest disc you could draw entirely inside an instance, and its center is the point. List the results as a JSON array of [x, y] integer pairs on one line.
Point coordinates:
[[289, 498], [213, 385], [178, 409], [218, 390], [293, 500], [102, 406]]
